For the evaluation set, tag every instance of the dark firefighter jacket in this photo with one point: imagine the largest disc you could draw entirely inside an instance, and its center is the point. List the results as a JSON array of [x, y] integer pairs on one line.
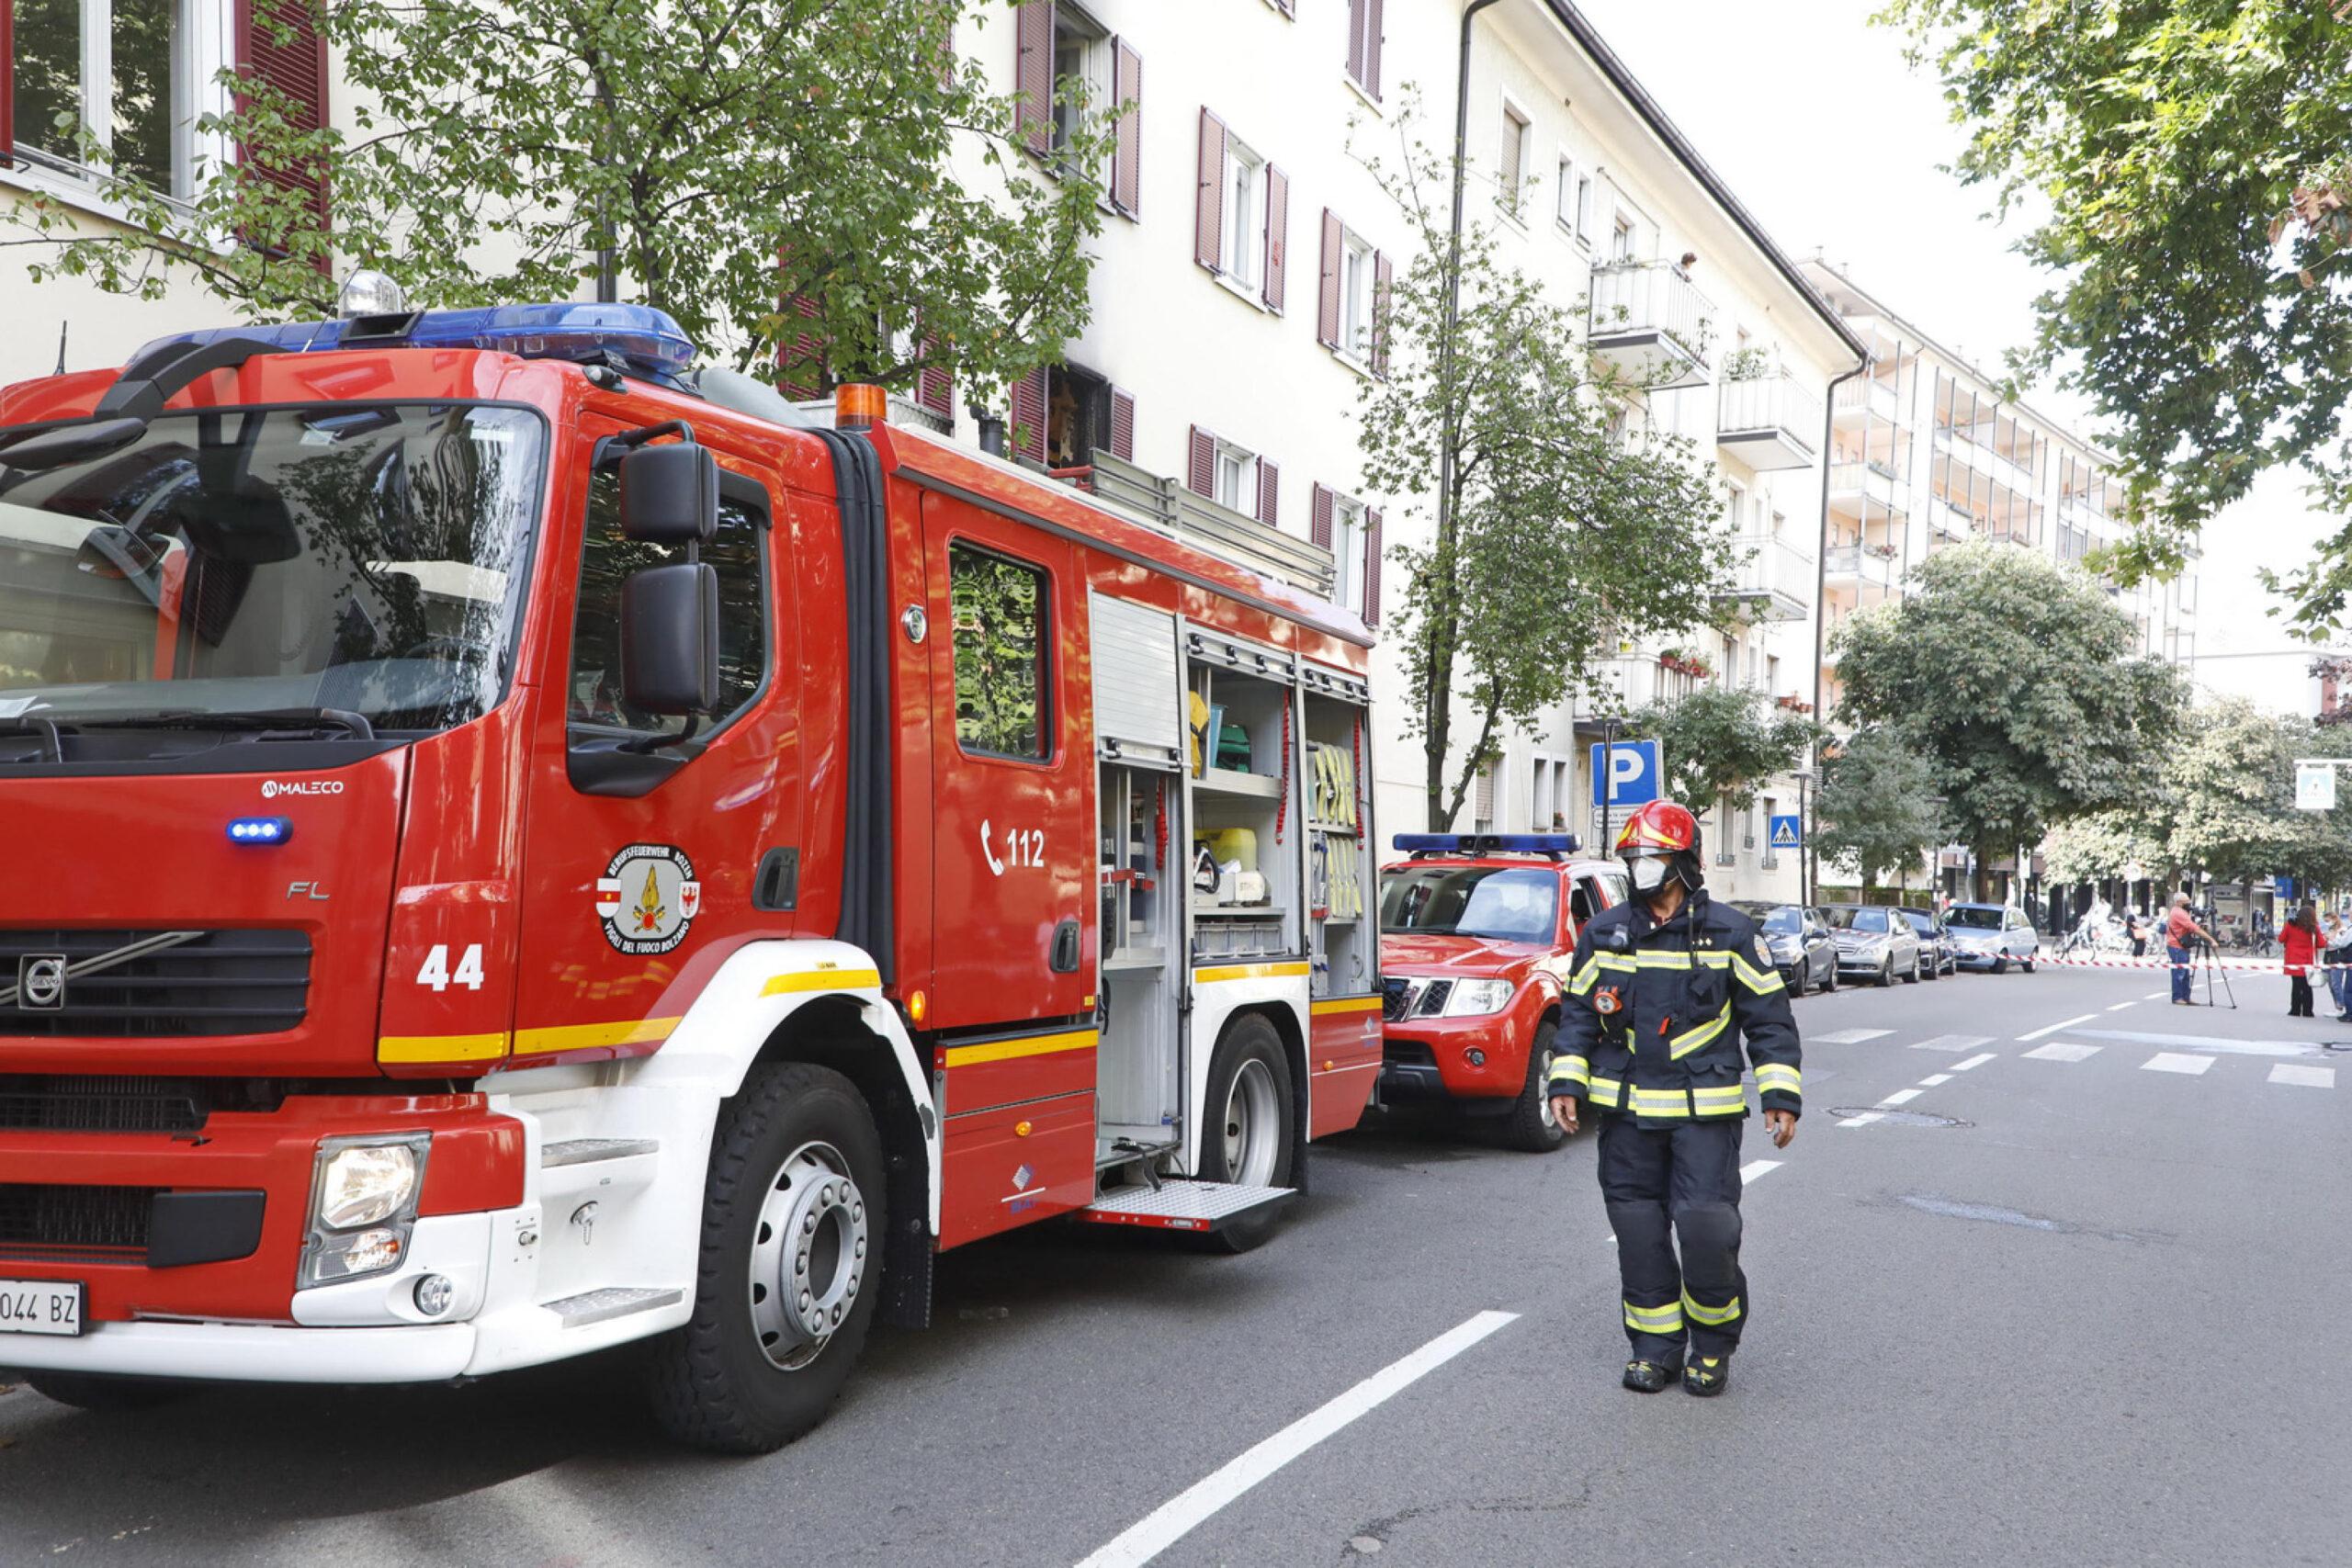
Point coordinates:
[[1655, 1012]]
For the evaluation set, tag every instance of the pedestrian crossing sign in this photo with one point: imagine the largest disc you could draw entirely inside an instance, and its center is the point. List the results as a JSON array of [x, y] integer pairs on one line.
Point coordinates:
[[1785, 833]]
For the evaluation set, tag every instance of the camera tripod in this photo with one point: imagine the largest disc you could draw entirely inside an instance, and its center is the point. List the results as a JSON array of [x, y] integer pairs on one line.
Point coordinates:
[[2202, 955]]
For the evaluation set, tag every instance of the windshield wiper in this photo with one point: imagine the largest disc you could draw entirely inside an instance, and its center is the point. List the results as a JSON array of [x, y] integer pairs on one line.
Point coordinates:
[[354, 724]]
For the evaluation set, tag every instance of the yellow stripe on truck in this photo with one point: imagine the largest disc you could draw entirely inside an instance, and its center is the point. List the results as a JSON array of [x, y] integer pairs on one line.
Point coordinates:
[[822, 980], [1027, 1045], [591, 1036], [1249, 971], [441, 1047]]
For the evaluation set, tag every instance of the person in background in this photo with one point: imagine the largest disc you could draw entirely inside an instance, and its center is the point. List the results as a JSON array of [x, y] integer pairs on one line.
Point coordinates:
[[2299, 938], [2180, 929], [2135, 926], [2337, 932]]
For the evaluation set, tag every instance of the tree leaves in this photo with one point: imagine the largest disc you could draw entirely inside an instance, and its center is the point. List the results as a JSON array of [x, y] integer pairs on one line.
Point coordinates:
[[1722, 742], [1879, 805]]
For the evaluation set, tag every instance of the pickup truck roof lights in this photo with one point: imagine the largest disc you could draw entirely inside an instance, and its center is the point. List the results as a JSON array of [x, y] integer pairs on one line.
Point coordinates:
[[636, 340], [1553, 846]]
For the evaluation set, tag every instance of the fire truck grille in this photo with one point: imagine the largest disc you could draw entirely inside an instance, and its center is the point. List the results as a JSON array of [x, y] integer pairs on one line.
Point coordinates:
[[227, 982], [31, 1102], [63, 1223]]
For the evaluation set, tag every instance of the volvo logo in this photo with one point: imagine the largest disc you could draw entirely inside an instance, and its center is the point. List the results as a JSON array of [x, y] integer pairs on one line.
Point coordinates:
[[41, 980]]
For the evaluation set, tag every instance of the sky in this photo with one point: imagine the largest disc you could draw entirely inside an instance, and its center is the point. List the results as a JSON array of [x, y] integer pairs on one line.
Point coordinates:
[[1811, 117]]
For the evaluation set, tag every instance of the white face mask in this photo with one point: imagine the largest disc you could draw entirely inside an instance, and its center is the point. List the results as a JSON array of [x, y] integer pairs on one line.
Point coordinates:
[[1649, 875]]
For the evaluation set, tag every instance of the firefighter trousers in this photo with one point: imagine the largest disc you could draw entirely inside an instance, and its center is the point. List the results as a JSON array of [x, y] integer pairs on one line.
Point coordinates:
[[1675, 1181]]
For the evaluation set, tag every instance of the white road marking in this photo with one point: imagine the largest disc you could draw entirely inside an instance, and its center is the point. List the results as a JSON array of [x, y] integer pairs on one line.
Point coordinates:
[[1932, 1080], [2121, 1006], [1955, 1043], [1902, 1097], [1976, 1061], [1177, 1517], [2069, 1023], [2208, 1043], [1756, 1167], [2174, 1062], [1864, 1120], [2308, 1078], [2060, 1051], [2156, 996], [1851, 1036]]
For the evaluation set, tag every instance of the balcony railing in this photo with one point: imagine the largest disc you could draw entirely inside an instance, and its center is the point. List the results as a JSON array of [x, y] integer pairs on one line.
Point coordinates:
[[1774, 577], [1165, 505], [1867, 394], [1653, 321], [1855, 484], [1865, 563], [1763, 422]]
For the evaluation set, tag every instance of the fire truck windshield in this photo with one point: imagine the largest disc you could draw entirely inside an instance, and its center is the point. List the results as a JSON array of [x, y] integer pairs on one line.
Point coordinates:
[[354, 558]]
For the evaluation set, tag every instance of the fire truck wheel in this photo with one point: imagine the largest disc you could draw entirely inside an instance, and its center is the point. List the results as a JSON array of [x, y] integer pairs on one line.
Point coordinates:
[[1247, 1136], [792, 1233], [86, 1391], [1533, 1126]]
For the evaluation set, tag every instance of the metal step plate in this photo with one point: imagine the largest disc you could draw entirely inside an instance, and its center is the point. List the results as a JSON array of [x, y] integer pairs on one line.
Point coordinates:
[[591, 1151], [1186, 1205], [612, 1300]]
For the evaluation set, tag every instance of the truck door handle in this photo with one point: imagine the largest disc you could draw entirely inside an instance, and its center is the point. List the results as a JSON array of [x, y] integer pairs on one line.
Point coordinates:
[[776, 885], [1063, 960]]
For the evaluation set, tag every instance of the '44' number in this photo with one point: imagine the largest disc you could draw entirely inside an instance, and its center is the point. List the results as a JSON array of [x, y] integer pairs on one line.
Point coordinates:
[[437, 973]]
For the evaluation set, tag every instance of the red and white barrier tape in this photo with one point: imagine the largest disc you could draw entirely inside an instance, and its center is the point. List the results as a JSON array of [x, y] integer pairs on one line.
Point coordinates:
[[2260, 965]]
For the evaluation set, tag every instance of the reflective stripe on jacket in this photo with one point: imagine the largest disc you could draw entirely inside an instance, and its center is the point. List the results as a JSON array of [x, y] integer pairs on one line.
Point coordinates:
[[1655, 1015]]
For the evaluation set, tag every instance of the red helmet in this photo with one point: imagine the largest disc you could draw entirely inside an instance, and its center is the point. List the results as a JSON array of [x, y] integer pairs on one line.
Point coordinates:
[[1661, 826], [1661, 841]]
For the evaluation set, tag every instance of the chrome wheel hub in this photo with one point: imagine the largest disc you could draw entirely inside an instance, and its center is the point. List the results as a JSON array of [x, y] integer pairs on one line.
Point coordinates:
[[1251, 1123], [809, 1255]]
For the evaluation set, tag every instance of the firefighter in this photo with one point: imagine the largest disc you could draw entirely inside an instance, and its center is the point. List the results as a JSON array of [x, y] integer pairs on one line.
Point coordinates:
[[1661, 992]]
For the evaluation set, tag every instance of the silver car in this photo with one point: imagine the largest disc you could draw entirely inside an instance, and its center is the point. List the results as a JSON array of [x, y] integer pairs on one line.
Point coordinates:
[[1874, 943], [1992, 936]]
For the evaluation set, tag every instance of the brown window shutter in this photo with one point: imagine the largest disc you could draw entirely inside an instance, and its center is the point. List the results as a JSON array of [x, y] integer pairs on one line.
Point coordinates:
[[1277, 236], [935, 385], [1327, 295], [1383, 274], [1371, 77], [1126, 157], [800, 357], [1355, 38], [1319, 528], [1032, 74], [1208, 205], [1372, 567], [8, 83], [1200, 466], [1269, 479], [1122, 425], [278, 42], [1028, 409]]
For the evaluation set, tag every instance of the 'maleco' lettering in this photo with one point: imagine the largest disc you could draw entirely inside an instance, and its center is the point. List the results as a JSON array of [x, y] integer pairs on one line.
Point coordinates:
[[272, 788]]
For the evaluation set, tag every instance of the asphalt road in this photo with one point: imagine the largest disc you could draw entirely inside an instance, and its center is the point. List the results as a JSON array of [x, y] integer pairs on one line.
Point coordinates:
[[2080, 1301]]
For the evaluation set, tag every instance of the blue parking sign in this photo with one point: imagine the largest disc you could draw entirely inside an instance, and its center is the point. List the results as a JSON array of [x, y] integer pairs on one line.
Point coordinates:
[[1787, 833], [1633, 771]]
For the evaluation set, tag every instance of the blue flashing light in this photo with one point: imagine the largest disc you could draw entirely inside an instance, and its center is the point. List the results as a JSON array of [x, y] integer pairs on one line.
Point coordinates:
[[1488, 843], [260, 831], [643, 341]]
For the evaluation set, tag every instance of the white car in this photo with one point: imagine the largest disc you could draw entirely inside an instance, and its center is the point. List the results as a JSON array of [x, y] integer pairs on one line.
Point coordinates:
[[1992, 936]]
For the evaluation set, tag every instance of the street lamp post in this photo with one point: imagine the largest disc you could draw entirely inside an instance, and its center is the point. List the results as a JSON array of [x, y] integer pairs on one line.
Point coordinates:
[[1804, 838]]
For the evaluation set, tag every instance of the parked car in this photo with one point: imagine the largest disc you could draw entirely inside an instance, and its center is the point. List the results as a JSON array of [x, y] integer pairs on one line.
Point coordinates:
[[1935, 941], [1477, 932], [1874, 943], [1992, 936], [1802, 947]]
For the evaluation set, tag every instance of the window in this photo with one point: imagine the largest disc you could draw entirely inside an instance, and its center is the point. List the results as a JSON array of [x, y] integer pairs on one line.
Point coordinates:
[[1081, 74], [1512, 161], [1002, 632], [608, 557], [1565, 200], [1347, 552], [1621, 239], [1245, 215], [1363, 45], [1355, 296], [134, 74], [1584, 208], [1236, 478]]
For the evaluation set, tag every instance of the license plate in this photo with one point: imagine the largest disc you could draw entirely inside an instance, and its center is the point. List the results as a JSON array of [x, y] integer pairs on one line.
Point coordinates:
[[39, 1307]]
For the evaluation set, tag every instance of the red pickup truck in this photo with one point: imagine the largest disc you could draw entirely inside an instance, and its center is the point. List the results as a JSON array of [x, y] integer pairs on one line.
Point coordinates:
[[1476, 935]]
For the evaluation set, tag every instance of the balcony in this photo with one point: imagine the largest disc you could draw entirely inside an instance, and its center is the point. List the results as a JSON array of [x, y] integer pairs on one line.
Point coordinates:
[[1164, 504], [1865, 399], [1866, 490], [1773, 581], [1761, 422], [1650, 322], [1860, 564]]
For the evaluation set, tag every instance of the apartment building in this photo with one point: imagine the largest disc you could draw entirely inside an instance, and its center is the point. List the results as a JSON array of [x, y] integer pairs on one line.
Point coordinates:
[[1926, 453]]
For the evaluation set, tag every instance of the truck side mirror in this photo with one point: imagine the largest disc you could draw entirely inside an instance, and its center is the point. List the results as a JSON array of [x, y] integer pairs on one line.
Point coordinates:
[[670, 494], [669, 639]]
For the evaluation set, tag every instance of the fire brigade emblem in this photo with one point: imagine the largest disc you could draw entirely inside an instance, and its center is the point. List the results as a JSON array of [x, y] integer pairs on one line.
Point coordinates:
[[647, 898], [1763, 952]]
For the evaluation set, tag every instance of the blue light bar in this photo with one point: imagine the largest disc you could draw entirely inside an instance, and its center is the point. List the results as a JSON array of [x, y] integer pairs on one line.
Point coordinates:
[[1488, 843], [643, 341], [260, 831]]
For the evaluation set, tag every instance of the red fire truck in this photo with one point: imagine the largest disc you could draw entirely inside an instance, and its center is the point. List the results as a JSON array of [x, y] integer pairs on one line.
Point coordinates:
[[520, 847]]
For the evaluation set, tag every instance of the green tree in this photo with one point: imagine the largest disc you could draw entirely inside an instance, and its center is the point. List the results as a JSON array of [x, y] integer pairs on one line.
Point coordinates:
[[2017, 680], [1554, 531], [1720, 743], [2189, 157], [1879, 806], [780, 175]]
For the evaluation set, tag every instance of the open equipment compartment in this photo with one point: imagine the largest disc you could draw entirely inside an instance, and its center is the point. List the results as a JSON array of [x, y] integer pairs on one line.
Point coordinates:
[[1244, 894], [1341, 896]]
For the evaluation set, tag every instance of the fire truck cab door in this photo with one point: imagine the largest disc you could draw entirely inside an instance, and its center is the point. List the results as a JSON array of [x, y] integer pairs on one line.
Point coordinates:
[[1013, 771]]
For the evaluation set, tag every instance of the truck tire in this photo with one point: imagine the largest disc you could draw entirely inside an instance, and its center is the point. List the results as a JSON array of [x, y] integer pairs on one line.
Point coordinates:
[[101, 1394], [1248, 1133], [1532, 1126], [796, 1198]]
